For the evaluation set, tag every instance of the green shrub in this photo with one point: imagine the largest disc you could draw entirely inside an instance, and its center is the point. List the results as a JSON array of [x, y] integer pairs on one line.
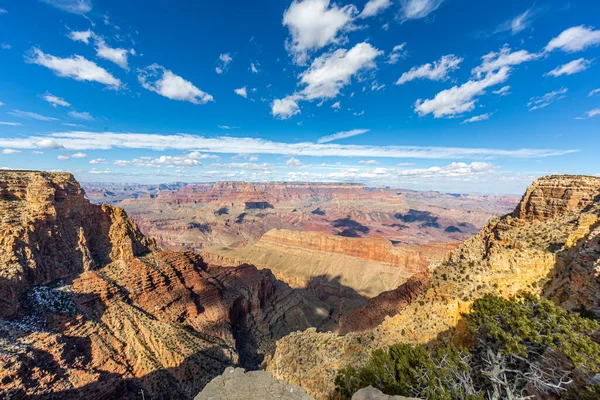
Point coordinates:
[[406, 370]]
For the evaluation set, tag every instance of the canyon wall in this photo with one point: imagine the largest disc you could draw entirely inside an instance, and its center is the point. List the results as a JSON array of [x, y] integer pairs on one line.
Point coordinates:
[[548, 246], [365, 266], [90, 308]]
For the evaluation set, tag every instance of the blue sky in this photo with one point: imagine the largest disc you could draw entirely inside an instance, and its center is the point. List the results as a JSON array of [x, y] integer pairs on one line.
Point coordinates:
[[454, 95]]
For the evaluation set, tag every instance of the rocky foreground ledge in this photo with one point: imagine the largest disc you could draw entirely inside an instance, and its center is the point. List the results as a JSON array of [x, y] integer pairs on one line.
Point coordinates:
[[237, 384]]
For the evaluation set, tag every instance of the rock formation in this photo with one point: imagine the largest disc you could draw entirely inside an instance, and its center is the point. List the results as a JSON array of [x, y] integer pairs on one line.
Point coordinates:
[[368, 266], [92, 309], [236, 384], [186, 216], [548, 246]]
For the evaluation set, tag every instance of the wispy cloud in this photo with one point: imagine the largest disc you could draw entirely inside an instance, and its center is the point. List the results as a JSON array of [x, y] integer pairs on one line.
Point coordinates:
[[437, 72], [55, 100], [342, 135], [477, 118], [539, 102], [374, 7], [72, 6], [518, 23], [10, 123], [85, 116], [417, 9], [80, 141], [31, 115], [570, 68], [575, 39], [75, 67]]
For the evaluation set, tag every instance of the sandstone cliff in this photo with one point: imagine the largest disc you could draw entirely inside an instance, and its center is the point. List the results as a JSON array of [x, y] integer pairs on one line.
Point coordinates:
[[368, 266], [548, 246], [49, 231], [91, 309]]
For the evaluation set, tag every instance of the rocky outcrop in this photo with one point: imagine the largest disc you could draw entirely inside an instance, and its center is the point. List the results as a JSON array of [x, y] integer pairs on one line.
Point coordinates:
[[49, 231], [384, 305], [96, 311], [555, 195], [548, 246], [236, 384]]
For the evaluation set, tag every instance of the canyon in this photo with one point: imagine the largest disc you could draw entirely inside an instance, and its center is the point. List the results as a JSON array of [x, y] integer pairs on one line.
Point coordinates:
[[188, 216], [92, 307], [548, 246]]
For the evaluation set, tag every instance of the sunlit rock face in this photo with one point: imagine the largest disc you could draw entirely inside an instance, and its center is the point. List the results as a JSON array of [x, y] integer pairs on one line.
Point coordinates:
[[91, 308], [548, 246]]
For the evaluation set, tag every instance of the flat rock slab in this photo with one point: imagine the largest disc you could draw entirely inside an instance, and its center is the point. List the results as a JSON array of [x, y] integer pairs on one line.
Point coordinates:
[[237, 384], [370, 393]]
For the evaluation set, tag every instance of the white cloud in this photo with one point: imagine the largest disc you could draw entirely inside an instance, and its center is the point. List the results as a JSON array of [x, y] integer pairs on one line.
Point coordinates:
[[593, 113], [223, 63], [314, 24], [575, 39], [594, 92], [494, 61], [342, 135], [245, 165], [503, 91], [376, 88], [96, 161], [358, 114], [5, 46], [95, 171], [536, 103], [374, 7], [285, 108], [81, 141], [398, 52], [72, 6], [1, 104], [31, 115], [115, 55], [437, 72], [460, 99], [158, 79], [81, 36], [75, 67], [10, 151], [570, 68], [73, 125], [293, 163], [477, 118], [456, 169], [86, 116], [227, 127], [336, 106], [368, 162], [10, 123], [332, 71], [55, 100], [63, 158], [79, 155], [48, 143], [253, 68], [417, 9], [518, 23], [37, 152], [242, 92]]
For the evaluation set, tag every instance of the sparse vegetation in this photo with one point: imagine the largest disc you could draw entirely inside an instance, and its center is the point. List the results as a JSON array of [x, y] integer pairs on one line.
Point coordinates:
[[523, 346]]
